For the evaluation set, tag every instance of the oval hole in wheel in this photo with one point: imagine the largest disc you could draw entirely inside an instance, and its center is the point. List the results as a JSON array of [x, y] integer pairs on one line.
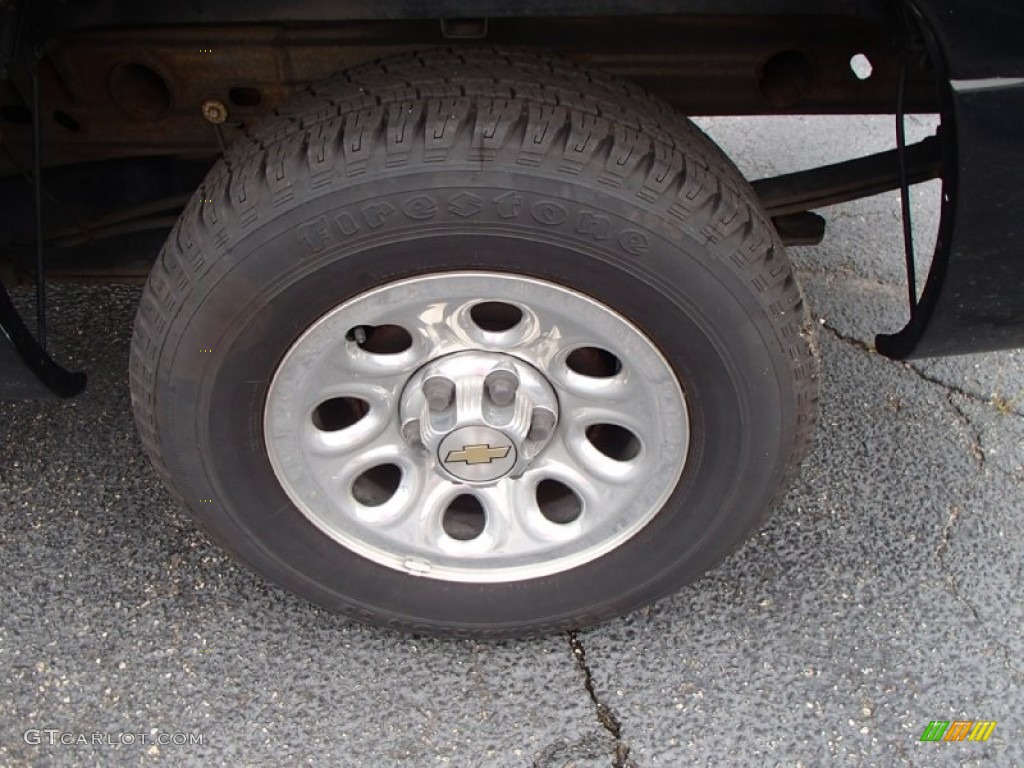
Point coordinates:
[[593, 361], [339, 413], [558, 502], [614, 441], [377, 484], [380, 339], [496, 316], [464, 519]]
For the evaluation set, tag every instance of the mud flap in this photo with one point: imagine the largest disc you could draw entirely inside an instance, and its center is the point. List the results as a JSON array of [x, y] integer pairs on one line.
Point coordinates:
[[26, 371]]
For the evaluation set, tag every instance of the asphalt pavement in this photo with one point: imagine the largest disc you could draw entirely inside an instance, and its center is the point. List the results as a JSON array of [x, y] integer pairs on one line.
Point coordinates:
[[885, 593]]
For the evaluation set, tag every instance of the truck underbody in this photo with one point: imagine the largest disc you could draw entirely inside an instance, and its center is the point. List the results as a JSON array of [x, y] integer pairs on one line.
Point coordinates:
[[124, 138]]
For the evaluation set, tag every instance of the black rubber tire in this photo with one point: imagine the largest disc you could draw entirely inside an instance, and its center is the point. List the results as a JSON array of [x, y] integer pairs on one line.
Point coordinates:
[[486, 160]]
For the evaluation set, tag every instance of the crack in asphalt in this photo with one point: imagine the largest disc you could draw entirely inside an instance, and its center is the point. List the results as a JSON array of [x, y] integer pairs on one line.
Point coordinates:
[[953, 586], [852, 341], [1004, 409], [975, 435], [605, 714], [973, 432], [952, 391]]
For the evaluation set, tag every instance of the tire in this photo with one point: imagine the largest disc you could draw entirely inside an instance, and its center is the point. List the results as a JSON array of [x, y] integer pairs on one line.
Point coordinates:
[[433, 218]]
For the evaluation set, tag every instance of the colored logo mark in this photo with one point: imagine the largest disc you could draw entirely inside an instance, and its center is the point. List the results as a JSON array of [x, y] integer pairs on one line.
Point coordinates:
[[958, 730], [478, 454]]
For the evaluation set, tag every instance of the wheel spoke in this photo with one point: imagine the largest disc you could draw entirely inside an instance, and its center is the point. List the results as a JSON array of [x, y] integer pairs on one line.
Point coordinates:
[[597, 490], [505, 513], [621, 403], [419, 523], [372, 436]]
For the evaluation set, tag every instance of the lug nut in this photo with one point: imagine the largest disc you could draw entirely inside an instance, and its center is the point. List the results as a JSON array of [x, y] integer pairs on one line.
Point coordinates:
[[501, 386], [411, 432], [438, 392], [542, 425]]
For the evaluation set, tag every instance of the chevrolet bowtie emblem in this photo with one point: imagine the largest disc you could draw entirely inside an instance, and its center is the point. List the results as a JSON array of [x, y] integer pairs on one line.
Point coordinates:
[[478, 454]]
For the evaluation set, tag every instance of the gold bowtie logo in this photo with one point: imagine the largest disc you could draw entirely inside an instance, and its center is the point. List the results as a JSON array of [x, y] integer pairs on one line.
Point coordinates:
[[478, 454]]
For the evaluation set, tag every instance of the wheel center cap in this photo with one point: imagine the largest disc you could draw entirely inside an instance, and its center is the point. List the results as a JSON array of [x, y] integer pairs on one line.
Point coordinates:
[[480, 415], [477, 454]]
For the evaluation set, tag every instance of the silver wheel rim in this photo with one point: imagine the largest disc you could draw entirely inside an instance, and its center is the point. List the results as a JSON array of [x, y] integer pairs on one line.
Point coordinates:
[[575, 484]]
